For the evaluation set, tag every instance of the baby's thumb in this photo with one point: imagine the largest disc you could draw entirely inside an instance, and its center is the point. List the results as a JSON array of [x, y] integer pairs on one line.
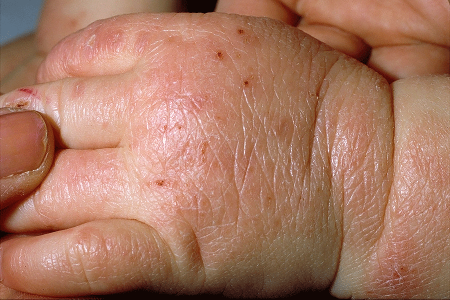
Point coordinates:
[[26, 153]]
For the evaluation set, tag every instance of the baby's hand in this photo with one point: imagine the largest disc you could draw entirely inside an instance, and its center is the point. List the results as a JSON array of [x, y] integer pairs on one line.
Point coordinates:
[[226, 154]]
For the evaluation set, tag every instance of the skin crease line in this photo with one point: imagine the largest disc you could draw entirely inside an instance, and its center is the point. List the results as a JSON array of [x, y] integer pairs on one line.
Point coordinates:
[[243, 159]]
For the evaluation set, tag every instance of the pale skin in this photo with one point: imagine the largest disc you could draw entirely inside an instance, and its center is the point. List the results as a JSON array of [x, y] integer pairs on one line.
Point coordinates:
[[244, 158]]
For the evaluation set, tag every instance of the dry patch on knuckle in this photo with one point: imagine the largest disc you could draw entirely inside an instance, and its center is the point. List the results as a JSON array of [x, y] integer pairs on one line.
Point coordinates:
[[102, 40]]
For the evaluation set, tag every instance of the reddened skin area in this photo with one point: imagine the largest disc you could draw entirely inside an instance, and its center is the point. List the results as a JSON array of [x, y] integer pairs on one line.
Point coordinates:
[[261, 171]]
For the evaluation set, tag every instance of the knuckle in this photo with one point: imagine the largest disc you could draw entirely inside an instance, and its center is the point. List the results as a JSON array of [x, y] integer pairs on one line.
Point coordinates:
[[100, 38], [88, 256]]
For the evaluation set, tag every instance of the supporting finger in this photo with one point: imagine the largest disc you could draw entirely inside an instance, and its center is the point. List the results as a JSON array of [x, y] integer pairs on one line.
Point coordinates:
[[394, 62], [339, 39], [26, 153], [259, 8], [289, 12], [95, 258]]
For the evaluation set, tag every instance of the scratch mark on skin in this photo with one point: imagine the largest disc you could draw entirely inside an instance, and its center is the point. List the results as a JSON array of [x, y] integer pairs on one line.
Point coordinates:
[[22, 104], [23, 101], [28, 91], [248, 81]]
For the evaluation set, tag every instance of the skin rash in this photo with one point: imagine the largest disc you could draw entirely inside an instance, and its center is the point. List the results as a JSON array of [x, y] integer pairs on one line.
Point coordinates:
[[245, 158]]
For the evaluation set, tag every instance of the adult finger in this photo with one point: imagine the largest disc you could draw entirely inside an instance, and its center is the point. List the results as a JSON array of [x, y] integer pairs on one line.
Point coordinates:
[[406, 36], [339, 39], [326, 31], [99, 257], [83, 185], [290, 12], [80, 119], [259, 8], [26, 153], [393, 62]]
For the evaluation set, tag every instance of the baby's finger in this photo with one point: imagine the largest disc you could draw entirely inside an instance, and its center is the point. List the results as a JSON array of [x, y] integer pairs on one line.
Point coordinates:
[[94, 51], [113, 46], [108, 256], [86, 113], [83, 185]]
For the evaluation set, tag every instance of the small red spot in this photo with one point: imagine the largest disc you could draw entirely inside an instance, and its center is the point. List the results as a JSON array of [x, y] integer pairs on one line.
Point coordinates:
[[204, 147], [248, 81], [160, 182], [28, 91], [73, 23]]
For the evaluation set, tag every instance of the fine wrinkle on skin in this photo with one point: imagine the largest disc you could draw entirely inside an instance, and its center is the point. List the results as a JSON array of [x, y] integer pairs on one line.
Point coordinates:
[[362, 163], [250, 155], [258, 168], [402, 262], [321, 132]]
